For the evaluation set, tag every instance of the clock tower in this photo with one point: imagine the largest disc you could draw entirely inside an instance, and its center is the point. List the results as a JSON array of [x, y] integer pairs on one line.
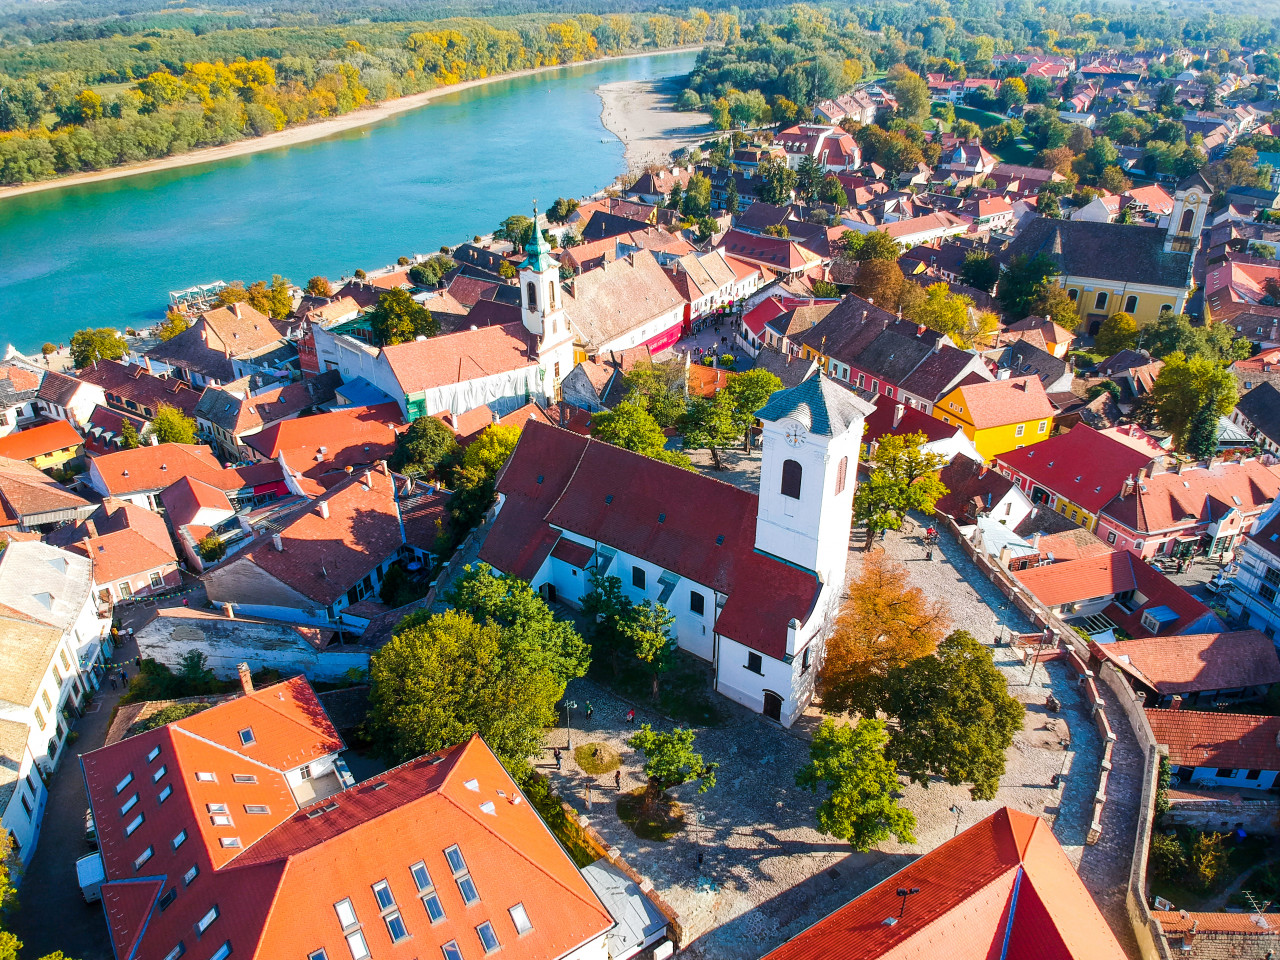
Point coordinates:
[[808, 472]]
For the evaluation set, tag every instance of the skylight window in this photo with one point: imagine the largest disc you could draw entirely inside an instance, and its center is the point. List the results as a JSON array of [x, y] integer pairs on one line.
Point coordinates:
[[473, 785], [246, 737], [128, 779], [382, 893], [128, 805], [427, 891], [202, 777], [216, 807], [222, 952], [205, 922], [451, 951], [134, 824], [230, 842], [176, 952], [520, 918], [143, 857], [488, 939], [155, 777], [155, 752], [180, 839], [466, 886], [243, 778], [164, 794]]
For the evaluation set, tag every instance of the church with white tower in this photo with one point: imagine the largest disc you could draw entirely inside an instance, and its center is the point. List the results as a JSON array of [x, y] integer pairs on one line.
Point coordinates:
[[752, 580]]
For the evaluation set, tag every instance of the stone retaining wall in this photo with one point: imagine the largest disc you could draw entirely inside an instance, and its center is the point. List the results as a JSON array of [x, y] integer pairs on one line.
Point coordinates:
[[1254, 816]]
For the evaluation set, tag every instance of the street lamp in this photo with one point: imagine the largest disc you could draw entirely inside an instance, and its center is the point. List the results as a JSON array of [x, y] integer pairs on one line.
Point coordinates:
[[904, 892], [568, 734], [1044, 639], [956, 810]]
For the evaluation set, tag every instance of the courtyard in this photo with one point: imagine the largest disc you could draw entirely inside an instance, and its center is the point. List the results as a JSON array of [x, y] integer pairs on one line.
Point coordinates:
[[750, 868]]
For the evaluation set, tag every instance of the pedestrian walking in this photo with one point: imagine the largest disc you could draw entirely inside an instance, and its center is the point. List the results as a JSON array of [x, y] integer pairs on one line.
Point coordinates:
[[113, 683], [590, 709], [617, 779], [186, 602], [631, 715], [556, 753]]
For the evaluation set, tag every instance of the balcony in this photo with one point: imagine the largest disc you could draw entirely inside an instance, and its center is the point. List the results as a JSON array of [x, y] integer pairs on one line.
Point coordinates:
[[317, 788]]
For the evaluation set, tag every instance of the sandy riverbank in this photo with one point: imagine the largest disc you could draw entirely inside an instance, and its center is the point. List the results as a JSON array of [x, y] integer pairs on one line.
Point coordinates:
[[642, 114], [304, 133]]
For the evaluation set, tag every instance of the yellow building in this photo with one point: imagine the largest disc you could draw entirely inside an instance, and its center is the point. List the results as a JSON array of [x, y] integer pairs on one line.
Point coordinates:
[[999, 415], [45, 447], [1108, 268]]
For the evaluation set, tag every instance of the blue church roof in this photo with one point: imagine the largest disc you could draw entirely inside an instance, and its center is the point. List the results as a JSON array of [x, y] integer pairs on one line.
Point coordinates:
[[823, 407]]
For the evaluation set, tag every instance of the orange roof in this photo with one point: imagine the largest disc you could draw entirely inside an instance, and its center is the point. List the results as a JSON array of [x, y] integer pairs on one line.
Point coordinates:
[[457, 357], [1178, 922], [1052, 332], [1196, 495], [1234, 740], [40, 440], [1003, 888], [1193, 662], [354, 436], [121, 539], [155, 467], [997, 403]]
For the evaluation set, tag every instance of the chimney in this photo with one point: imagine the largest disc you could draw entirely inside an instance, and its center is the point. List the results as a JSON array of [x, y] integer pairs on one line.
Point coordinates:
[[1005, 556], [1128, 486], [229, 611], [1175, 703], [246, 680], [453, 421], [564, 411], [277, 542], [324, 509], [1035, 541], [897, 415], [368, 478]]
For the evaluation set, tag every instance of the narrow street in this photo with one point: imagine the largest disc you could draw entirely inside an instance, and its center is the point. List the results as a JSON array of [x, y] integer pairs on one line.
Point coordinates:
[[51, 914]]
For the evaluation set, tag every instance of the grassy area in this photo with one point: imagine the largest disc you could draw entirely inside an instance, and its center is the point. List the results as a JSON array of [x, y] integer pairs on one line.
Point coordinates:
[[597, 758], [683, 691], [567, 831], [1263, 884], [1019, 152], [982, 118], [661, 824]]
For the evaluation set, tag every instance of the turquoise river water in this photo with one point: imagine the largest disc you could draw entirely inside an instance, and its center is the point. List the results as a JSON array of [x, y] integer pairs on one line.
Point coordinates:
[[107, 254]]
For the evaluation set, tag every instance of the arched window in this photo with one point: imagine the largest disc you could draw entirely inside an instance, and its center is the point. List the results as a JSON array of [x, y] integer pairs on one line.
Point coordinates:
[[791, 474], [1100, 302], [533, 296], [551, 296], [842, 473], [1130, 304], [1073, 294], [1187, 217]]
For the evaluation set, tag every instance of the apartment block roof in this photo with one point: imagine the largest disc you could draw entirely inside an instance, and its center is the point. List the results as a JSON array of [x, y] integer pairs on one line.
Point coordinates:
[[1002, 888]]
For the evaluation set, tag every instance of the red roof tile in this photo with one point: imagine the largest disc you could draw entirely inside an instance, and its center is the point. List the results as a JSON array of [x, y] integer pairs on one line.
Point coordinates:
[[1193, 662], [458, 357], [1217, 739], [1171, 500], [351, 437], [997, 403], [40, 440], [1085, 466], [1003, 888], [155, 467], [556, 479]]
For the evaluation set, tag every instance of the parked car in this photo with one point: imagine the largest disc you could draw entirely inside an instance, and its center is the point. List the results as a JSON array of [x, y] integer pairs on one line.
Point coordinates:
[[91, 875], [90, 829]]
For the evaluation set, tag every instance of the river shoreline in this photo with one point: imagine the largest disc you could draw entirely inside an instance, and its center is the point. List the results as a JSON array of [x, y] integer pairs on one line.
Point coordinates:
[[304, 133], [642, 114]]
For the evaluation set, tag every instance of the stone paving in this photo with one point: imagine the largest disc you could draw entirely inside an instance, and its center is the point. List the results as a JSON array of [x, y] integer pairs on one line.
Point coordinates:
[[765, 872]]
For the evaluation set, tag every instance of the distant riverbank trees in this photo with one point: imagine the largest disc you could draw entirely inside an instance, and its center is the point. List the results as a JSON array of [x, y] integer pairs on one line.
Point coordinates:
[[73, 106]]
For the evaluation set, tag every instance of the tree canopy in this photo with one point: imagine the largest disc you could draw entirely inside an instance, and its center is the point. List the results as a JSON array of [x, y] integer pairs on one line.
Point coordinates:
[[170, 425], [422, 447], [398, 318], [100, 344], [903, 478], [670, 760], [1185, 386], [1022, 282], [848, 763]]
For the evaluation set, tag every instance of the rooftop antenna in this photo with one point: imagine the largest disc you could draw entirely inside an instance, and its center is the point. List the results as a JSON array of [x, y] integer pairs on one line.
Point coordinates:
[[903, 892]]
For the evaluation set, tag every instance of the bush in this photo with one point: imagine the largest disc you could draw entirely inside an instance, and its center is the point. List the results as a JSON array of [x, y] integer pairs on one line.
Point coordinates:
[[727, 360], [1209, 856], [211, 548], [48, 348], [170, 714], [1168, 858], [1106, 386], [708, 361]]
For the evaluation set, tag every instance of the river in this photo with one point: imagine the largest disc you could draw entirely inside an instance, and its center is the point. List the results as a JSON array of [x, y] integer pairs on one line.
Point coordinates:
[[108, 253]]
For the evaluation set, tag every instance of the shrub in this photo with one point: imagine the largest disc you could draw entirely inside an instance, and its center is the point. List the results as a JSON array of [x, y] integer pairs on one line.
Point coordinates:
[[1208, 859], [727, 360], [1168, 858], [171, 713], [48, 348], [211, 548]]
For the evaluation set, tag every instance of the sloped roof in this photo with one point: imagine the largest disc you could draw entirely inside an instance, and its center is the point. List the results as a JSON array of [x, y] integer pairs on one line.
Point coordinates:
[[609, 302], [692, 525], [825, 409], [1192, 662], [458, 357], [26, 492], [1170, 500], [1084, 465], [1003, 888], [155, 467], [940, 371], [40, 440], [996, 403], [1084, 248], [1235, 740], [966, 479], [1261, 406], [329, 442], [323, 557], [880, 423], [58, 388], [132, 382], [121, 539]]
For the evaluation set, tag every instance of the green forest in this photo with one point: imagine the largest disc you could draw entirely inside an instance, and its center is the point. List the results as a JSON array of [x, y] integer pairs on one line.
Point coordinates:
[[86, 87], [75, 105]]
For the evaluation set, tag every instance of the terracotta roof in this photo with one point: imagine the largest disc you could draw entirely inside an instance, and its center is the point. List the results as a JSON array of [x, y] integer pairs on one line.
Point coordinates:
[[186, 497], [155, 467], [1072, 544], [966, 479], [350, 437], [777, 252], [606, 304], [40, 440], [929, 222], [1003, 888], [323, 557], [1234, 740], [764, 311], [996, 403], [1087, 467], [1171, 500], [131, 383], [1091, 577], [247, 404], [121, 539], [58, 388], [28, 492], [216, 337], [1177, 922], [332, 311], [458, 357], [879, 422], [1193, 662], [557, 479]]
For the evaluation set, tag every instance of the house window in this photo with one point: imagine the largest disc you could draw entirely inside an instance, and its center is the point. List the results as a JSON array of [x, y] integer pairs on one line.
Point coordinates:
[[1225, 773], [531, 293], [804, 661], [466, 886], [246, 737], [1020, 429], [792, 473], [754, 663], [126, 591], [1267, 593], [1100, 301], [143, 857], [26, 804], [488, 938], [427, 891], [842, 474], [1130, 304], [697, 602], [520, 918], [1044, 425], [156, 579], [451, 951], [1111, 536], [637, 577]]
